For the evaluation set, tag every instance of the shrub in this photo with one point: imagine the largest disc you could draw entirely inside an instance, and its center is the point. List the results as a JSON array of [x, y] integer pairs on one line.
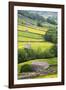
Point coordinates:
[[30, 53], [39, 24], [21, 55], [51, 35], [25, 54], [52, 20], [52, 52], [26, 68]]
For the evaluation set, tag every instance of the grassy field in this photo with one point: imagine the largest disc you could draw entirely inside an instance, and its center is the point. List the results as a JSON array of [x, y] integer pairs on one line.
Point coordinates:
[[30, 34], [33, 30], [36, 45], [22, 38]]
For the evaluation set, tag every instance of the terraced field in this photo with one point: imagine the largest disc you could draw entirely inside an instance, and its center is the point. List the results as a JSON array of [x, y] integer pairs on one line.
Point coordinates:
[[30, 34], [33, 36], [32, 28]]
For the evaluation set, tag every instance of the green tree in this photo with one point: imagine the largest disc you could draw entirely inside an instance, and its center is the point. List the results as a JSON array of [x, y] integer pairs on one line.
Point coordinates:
[[26, 68], [51, 35], [52, 20], [39, 24]]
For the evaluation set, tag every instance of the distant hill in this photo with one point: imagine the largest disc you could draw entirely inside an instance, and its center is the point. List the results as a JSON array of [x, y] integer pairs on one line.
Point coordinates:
[[39, 16], [45, 13]]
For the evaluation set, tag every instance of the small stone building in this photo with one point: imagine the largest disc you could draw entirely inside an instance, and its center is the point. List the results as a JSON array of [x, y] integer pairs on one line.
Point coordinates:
[[28, 46], [39, 66]]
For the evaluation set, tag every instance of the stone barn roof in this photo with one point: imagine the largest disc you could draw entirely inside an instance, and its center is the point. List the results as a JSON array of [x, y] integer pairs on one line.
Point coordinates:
[[39, 66]]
